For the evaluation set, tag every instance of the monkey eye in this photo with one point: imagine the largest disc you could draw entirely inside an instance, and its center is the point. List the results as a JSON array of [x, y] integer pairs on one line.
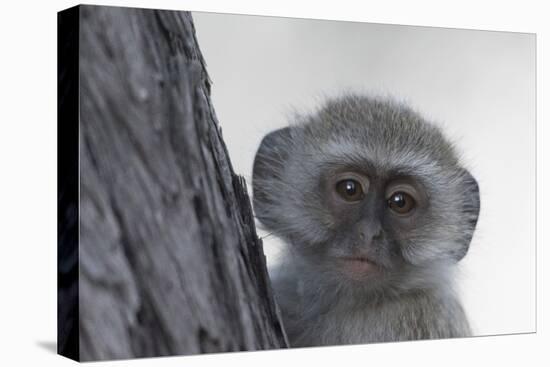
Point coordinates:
[[401, 202], [349, 189]]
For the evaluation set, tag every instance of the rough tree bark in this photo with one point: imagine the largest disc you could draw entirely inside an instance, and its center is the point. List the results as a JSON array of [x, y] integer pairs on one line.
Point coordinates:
[[169, 259]]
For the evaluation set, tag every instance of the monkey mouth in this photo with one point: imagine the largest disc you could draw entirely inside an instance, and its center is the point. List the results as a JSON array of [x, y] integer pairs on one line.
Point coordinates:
[[357, 267]]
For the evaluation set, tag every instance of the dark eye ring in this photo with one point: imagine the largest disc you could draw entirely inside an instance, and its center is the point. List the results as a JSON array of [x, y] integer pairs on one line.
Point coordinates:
[[350, 190], [401, 202]]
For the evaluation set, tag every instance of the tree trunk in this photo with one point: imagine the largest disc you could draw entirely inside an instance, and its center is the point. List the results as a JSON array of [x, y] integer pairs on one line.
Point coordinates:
[[169, 260]]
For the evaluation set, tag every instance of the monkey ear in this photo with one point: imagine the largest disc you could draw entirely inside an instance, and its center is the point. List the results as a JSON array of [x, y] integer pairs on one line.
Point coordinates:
[[471, 206], [267, 171]]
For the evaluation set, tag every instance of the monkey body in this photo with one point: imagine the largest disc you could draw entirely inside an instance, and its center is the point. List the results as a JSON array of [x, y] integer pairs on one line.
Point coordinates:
[[317, 316], [376, 211]]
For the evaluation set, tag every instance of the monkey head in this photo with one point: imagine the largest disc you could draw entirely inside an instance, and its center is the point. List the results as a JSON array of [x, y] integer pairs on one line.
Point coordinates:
[[366, 192]]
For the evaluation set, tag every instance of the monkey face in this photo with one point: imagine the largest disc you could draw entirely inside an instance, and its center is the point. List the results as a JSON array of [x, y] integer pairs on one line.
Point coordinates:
[[370, 214], [367, 191]]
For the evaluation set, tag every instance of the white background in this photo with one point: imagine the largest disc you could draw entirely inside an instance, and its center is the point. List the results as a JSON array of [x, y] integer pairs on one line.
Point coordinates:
[[28, 186], [478, 86]]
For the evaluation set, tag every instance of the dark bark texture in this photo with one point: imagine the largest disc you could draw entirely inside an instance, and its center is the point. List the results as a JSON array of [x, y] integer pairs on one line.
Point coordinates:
[[170, 262]]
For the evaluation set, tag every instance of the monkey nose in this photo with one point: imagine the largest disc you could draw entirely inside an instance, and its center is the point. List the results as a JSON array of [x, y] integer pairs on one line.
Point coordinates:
[[367, 237]]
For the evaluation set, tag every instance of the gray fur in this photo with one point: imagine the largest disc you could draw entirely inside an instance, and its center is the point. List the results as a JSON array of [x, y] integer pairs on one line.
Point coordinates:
[[412, 296]]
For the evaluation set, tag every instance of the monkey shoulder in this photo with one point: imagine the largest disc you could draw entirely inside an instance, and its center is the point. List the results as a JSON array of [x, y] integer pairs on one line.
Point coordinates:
[[431, 314]]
